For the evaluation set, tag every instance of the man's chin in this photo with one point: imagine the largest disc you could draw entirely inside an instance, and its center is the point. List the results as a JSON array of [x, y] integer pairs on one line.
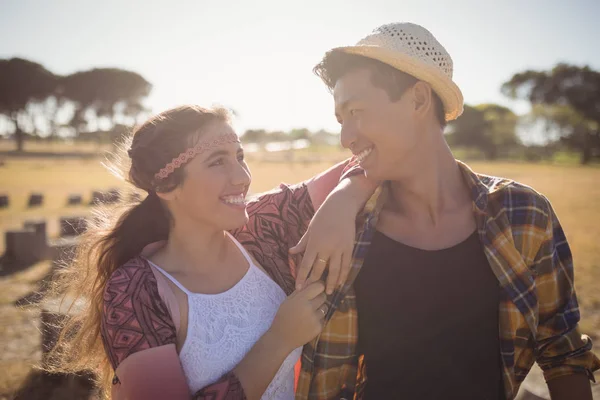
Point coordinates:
[[372, 174]]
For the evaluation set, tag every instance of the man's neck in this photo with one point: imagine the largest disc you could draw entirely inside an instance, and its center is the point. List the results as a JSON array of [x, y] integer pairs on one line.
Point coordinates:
[[435, 185]]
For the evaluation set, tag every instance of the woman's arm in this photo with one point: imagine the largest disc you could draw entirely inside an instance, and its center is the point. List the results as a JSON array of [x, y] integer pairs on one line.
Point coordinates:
[[139, 338], [157, 374], [298, 321]]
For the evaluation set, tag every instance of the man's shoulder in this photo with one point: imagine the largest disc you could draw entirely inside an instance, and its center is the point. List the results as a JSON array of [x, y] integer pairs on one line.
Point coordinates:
[[519, 200]]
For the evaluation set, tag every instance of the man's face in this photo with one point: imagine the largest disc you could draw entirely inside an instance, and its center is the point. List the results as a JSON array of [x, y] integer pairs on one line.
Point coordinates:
[[380, 132]]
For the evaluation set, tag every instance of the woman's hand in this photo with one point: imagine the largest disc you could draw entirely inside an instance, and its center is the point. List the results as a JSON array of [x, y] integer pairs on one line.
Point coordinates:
[[300, 317]]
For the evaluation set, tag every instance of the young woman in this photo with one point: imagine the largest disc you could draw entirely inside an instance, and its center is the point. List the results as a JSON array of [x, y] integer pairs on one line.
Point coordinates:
[[175, 307]]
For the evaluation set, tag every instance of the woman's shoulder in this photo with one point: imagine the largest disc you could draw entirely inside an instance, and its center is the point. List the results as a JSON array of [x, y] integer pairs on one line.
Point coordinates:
[[130, 276], [134, 316], [133, 279]]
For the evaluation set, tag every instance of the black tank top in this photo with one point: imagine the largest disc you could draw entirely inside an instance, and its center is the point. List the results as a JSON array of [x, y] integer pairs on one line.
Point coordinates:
[[428, 322]]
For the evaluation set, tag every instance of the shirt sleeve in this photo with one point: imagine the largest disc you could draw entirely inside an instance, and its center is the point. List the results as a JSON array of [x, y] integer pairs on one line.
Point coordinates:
[[135, 319], [561, 348], [277, 221], [352, 168], [279, 218]]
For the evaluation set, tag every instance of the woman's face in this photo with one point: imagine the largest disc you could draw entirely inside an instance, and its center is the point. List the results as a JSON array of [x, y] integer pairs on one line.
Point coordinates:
[[216, 182]]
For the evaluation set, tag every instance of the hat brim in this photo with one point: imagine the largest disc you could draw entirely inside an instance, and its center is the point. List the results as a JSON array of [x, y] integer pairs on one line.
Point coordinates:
[[443, 86]]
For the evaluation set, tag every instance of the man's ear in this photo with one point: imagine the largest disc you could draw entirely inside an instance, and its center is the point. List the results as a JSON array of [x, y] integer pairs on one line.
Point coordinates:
[[422, 98]]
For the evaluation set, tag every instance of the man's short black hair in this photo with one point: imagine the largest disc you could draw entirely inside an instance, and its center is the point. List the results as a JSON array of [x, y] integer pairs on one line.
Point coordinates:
[[336, 64]]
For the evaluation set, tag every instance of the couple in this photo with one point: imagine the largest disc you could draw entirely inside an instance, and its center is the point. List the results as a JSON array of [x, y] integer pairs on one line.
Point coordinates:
[[465, 280]]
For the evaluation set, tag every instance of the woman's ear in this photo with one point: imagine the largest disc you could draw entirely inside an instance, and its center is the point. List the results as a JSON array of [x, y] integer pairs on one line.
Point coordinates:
[[170, 195]]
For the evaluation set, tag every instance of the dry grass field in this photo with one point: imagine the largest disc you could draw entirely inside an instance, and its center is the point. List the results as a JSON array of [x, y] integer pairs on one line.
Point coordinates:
[[574, 191]]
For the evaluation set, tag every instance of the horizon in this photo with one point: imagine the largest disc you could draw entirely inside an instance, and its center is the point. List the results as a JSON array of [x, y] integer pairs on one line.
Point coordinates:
[[257, 58]]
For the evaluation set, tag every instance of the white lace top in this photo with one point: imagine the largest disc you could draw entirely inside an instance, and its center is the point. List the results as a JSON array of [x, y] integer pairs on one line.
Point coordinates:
[[223, 327]]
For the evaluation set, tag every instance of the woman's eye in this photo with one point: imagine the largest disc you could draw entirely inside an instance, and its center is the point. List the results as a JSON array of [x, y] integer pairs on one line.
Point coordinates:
[[217, 162]]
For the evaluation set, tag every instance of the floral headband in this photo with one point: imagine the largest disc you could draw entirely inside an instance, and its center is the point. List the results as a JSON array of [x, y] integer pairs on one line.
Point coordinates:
[[192, 152]]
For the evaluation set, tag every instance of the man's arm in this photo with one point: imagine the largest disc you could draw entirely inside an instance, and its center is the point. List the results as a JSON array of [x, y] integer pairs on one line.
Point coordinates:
[[279, 218], [331, 234], [563, 353], [570, 387]]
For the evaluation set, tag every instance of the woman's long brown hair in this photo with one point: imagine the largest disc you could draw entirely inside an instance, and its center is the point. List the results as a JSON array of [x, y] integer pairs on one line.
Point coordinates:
[[118, 234]]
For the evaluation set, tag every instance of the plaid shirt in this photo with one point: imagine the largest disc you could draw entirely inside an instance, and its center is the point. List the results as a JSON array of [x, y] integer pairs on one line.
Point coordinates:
[[526, 249]]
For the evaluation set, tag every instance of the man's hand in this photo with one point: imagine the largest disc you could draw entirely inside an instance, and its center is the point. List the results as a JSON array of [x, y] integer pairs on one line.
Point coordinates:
[[329, 240], [570, 387]]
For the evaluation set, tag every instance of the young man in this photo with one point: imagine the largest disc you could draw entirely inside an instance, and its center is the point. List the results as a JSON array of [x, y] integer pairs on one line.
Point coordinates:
[[465, 280]]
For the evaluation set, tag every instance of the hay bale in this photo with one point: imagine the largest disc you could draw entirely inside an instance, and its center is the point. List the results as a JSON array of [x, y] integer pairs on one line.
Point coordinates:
[[74, 200], [41, 246], [35, 200], [135, 197], [113, 196], [4, 203], [63, 250], [110, 197], [72, 226], [97, 198], [54, 313], [38, 226], [24, 247]]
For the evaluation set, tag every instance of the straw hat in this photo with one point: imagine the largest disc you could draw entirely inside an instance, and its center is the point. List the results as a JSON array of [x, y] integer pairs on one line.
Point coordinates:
[[412, 49]]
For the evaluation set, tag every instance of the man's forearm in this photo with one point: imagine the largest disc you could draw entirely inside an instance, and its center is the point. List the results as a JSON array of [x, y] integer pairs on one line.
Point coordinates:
[[570, 387], [321, 185], [354, 191]]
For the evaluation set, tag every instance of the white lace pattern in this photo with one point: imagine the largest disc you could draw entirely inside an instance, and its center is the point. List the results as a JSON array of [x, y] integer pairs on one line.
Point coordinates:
[[223, 327]]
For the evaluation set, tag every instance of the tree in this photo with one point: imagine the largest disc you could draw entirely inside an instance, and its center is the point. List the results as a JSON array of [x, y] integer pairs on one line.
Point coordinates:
[[255, 136], [567, 89], [488, 127], [566, 124], [277, 136], [322, 137], [302, 133], [105, 93], [21, 83]]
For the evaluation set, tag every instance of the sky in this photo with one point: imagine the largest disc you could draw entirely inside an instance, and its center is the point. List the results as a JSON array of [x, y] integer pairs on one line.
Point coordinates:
[[256, 57]]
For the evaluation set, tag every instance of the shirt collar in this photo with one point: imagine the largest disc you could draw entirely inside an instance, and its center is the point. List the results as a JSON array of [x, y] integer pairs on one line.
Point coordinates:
[[479, 190]]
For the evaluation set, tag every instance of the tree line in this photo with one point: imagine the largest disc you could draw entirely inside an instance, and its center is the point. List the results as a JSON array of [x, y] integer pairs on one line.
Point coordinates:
[[565, 109], [102, 102], [38, 101]]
